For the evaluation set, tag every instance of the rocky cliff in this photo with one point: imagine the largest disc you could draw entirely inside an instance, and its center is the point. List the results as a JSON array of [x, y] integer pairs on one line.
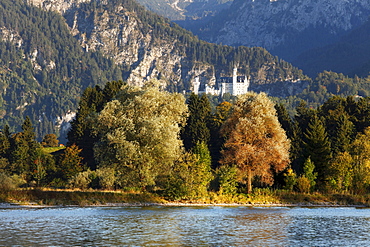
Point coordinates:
[[150, 47], [186, 9]]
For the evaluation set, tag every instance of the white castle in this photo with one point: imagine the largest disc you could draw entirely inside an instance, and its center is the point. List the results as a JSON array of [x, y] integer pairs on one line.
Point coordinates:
[[234, 85]]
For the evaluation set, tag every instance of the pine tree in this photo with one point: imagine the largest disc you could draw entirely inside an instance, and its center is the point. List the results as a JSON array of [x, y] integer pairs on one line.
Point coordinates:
[[81, 133], [318, 147], [292, 131], [309, 172], [197, 125], [5, 142], [24, 154], [216, 139]]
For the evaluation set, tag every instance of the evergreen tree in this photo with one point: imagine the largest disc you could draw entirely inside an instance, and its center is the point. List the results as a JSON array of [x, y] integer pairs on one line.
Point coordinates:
[[81, 133], [25, 150], [292, 131], [318, 148], [5, 142], [5, 148], [197, 125], [69, 162], [343, 136], [216, 139], [340, 129], [309, 172]]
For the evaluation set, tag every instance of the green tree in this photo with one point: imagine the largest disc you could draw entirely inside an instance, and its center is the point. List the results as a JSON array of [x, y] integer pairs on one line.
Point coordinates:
[[309, 173], [81, 133], [292, 131], [5, 142], [226, 177], [339, 127], [360, 152], [255, 141], [139, 134], [70, 162], [201, 171], [5, 148], [341, 168], [197, 125], [318, 148], [24, 150], [290, 179], [216, 139]]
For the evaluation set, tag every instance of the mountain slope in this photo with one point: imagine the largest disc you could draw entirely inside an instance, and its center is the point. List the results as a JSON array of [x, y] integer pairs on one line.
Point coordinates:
[[286, 27], [350, 55], [149, 46], [43, 69], [46, 61], [186, 9]]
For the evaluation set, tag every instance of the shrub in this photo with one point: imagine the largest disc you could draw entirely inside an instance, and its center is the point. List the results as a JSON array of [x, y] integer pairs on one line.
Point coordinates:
[[81, 181], [303, 184], [6, 183], [106, 178]]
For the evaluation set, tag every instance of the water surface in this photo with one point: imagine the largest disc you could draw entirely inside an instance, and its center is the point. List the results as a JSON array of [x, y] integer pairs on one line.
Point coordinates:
[[185, 226]]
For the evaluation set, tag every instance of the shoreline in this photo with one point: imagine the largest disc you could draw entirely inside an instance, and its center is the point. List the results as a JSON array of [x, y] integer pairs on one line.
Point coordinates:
[[6, 205]]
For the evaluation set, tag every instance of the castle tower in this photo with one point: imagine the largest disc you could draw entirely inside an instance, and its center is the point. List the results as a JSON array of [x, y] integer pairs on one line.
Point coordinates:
[[196, 85], [235, 75]]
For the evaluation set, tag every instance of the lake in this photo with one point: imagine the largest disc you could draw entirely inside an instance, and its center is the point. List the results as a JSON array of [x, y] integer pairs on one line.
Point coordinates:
[[186, 226]]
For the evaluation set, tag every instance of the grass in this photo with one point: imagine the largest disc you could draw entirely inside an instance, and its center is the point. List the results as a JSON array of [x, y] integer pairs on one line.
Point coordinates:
[[80, 198], [259, 197], [50, 150]]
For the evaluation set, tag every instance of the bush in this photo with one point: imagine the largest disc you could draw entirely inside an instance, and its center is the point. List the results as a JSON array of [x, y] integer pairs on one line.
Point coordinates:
[[6, 183], [82, 180], [303, 184], [106, 178], [9, 183]]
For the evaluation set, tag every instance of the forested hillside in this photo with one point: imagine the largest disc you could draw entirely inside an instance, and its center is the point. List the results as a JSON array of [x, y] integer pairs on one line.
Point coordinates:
[[45, 64], [43, 68]]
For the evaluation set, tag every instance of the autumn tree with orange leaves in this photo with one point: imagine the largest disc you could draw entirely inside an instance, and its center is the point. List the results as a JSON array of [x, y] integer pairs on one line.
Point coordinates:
[[255, 141]]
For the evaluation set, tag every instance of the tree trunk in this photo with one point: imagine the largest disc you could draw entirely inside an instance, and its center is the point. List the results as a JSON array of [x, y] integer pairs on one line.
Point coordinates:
[[249, 181]]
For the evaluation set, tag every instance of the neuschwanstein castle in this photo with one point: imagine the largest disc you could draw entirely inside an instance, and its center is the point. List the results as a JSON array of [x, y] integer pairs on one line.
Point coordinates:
[[234, 85]]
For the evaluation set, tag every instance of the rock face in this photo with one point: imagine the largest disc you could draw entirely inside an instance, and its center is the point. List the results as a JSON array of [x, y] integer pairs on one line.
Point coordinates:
[[121, 34], [186, 9], [57, 5], [286, 27]]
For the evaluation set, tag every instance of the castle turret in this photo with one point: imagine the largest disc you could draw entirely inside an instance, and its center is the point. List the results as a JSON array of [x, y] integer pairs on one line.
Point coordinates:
[[235, 75], [196, 85]]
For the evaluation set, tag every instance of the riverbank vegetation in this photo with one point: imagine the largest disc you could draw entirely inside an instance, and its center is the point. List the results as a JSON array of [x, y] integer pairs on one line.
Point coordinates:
[[149, 145]]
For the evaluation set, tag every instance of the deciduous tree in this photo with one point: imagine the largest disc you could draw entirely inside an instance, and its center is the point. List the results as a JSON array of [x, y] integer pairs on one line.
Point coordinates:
[[256, 142], [139, 134]]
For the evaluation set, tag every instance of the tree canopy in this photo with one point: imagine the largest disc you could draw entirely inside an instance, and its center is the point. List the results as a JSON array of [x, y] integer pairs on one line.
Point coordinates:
[[139, 134], [255, 142]]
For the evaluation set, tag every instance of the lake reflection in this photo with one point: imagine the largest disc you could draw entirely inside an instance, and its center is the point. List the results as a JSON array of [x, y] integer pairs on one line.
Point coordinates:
[[185, 226]]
